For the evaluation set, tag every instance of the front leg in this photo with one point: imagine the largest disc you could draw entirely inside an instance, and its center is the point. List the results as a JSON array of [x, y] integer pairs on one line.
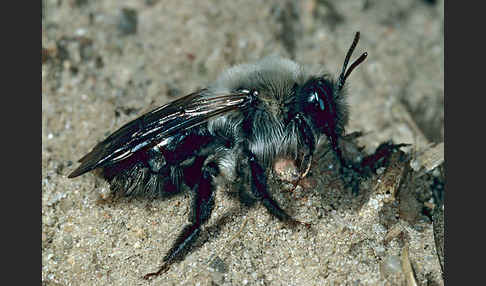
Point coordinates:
[[259, 189], [202, 207], [306, 134]]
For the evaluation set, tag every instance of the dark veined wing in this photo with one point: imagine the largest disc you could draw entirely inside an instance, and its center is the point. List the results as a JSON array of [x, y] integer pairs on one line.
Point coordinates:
[[159, 124]]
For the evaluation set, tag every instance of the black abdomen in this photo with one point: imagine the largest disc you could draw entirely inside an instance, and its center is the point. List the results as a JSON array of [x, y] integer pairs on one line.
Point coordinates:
[[161, 169]]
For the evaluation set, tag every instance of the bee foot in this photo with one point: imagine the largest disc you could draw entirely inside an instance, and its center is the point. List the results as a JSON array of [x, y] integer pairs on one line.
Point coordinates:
[[162, 269]]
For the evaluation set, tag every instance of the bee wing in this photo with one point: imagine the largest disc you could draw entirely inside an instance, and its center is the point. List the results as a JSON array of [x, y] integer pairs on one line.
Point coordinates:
[[159, 124]]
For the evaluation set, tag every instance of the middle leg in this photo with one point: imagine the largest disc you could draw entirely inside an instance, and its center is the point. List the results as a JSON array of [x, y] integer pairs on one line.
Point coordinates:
[[202, 207]]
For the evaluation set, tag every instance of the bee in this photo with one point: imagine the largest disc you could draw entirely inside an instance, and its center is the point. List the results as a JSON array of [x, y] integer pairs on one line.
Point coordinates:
[[234, 129]]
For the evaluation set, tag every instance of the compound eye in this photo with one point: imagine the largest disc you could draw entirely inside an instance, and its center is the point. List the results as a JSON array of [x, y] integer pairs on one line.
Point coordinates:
[[315, 98]]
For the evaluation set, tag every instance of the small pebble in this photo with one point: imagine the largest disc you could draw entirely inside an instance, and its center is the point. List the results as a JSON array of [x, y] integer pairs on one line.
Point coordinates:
[[219, 265], [391, 265], [128, 21]]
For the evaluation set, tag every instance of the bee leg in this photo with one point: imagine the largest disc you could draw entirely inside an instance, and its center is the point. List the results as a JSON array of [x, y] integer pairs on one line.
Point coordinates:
[[259, 189], [202, 206], [309, 142]]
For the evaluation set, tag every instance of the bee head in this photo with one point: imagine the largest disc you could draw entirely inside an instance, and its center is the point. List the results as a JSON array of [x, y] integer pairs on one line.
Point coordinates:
[[322, 98]]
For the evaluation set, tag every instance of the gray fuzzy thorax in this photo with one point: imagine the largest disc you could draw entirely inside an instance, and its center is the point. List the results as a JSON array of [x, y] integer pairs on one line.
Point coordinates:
[[274, 79]]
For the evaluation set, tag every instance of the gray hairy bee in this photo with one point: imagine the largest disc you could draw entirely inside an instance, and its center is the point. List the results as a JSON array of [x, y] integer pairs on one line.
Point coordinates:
[[234, 129]]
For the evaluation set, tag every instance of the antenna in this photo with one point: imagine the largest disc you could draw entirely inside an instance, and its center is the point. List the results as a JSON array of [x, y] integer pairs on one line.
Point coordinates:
[[345, 73]]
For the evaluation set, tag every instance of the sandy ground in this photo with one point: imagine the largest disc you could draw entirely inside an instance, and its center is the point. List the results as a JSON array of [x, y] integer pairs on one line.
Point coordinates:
[[101, 70]]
